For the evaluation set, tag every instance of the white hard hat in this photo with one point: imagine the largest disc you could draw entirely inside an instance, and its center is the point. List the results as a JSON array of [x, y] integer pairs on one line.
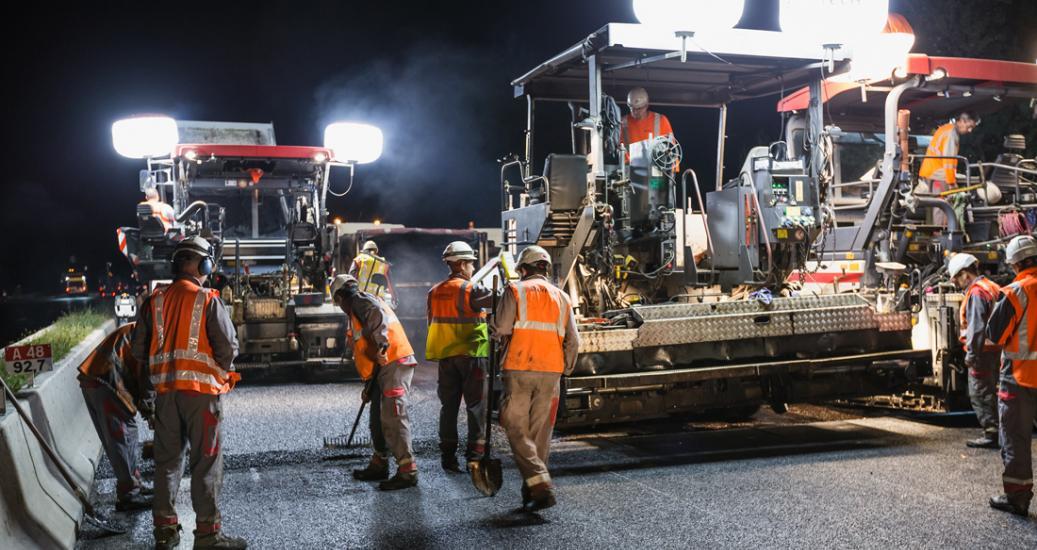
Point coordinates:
[[1020, 248], [533, 254], [990, 193], [195, 245], [370, 246], [959, 262], [457, 251], [340, 282], [637, 98]]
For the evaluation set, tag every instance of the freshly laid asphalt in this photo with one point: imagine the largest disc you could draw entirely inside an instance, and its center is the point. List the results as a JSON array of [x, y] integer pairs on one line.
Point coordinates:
[[814, 478]]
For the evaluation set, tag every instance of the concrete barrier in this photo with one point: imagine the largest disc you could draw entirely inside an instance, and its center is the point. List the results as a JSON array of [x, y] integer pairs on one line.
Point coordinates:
[[37, 508]]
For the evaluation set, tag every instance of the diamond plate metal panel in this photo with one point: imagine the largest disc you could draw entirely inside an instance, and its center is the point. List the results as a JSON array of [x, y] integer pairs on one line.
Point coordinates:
[[713, 328], [835, 319], [894, 322], [605, 340], [671, 311]]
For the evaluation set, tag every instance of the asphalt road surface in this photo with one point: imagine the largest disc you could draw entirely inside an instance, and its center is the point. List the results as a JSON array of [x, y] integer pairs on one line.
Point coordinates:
[[816, 477]]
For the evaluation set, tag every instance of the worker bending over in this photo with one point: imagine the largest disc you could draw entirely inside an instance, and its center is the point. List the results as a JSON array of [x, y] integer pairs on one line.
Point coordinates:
[[536, 325], [981, 355], [185, 336], [1013, 325], [384, 358], [942, 173], [110, 379], [457, 338], [372, 273]]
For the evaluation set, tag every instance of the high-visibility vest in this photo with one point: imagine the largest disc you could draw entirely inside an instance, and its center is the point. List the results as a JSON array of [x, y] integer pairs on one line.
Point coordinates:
[[542, 313], [454, 328], [987, 290], [111, 362], [367, 266], [941, 146], [1020, 341], [653, 125], [163, 212], [181, 356], [365, 353]]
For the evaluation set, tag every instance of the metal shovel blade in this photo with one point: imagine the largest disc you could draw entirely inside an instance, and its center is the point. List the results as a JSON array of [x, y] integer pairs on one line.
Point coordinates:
[[105, 524], [487, 475]]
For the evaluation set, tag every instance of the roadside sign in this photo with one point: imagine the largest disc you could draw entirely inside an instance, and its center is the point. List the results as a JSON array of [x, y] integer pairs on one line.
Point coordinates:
[[30, 359]]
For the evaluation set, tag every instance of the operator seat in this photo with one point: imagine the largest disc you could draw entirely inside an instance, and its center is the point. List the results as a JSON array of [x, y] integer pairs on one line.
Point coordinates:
[[151, 228]]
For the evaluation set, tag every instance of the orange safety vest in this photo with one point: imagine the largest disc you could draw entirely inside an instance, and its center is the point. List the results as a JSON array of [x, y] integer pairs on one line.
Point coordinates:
[[652, 125], [454, 328], [163, 212], [113, 353], [1020, 342], [936, 168], [536, 339], [180, 358], [367, 266], [365, 355], [987, 290]]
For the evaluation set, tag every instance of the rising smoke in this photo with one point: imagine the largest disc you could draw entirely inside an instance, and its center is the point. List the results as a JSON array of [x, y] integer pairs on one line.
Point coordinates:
[[444, 112]]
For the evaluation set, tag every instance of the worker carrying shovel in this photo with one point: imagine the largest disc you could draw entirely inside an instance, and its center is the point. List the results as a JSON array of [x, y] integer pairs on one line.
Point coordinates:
[[384, 358], [537, 329]]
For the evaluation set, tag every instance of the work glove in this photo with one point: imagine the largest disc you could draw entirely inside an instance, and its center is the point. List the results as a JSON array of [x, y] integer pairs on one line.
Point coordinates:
[[970, 362], [147, 410], [365, 394], [383, 357]]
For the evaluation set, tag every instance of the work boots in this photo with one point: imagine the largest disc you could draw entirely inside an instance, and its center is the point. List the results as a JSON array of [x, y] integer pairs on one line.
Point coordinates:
[[376, 470], [402, 480], [1016, 503], [450, 464], [133, 502], [538, 497], [987, 441], [167, 537], [219, 540]]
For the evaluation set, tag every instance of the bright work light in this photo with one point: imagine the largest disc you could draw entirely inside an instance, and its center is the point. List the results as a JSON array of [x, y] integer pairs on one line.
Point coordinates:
[[830, 22], [879, 56], [689, 15], [352, 142], [145, 136]]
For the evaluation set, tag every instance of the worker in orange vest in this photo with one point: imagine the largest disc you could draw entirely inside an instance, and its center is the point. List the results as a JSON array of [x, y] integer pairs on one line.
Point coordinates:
[[1013, 326], [537, 329], [458, 339], [642, 124], [160, 210], [384, 358], [110, 379], [185, 336], [981, 355], [942, 173]]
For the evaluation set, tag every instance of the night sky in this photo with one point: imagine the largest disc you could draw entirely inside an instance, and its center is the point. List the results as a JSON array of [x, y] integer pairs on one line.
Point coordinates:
[[433, 76]]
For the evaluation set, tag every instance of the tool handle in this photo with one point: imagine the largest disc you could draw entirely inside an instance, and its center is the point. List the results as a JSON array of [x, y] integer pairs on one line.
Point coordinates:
[[491, 374], [356, 423]]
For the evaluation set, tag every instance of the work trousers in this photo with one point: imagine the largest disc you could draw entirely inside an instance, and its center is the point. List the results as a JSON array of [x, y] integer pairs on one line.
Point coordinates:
[[464, 378], [528, 416], [389, 422], [1018, 408], [188, 419], [117, 429], [983, 390]]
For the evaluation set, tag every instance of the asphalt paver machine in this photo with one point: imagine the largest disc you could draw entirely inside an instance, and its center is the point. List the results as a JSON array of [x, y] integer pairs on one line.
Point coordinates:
[[681, 289]]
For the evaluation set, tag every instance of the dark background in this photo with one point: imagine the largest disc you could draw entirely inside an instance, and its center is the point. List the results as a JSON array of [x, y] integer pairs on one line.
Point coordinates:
[[434, 76]]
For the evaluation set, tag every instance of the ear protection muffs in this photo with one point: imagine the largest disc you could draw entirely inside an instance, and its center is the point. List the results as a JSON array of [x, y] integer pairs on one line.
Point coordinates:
[[205, 266]]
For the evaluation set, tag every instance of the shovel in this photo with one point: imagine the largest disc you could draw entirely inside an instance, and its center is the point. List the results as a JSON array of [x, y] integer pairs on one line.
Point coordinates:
[[487, 475], [89, 514]]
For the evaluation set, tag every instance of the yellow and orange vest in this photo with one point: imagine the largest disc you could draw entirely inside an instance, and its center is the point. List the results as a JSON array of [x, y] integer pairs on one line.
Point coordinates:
[[455, 329]]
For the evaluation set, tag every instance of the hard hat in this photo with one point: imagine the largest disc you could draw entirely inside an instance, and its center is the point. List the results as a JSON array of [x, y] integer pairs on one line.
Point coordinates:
[[959, 262], [533, 254], [195, 245], [990, 193], [370, 246], [457, 251], [341, 282], [637, 98], [1020, 248]]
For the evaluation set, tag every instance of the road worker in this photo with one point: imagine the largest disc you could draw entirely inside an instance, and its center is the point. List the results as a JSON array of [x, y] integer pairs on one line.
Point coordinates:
[[372, 273], [537, 329], [981, 355], [110, 380], [458, 339], [384, 358], [160, 210], [941, 167], [641, 124], [1013, 325], [185, 336]]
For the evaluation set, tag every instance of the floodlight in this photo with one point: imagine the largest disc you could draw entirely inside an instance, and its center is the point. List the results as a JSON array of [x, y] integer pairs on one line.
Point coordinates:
[[353, 143], [689, 15], [831, 23], [145, 136]]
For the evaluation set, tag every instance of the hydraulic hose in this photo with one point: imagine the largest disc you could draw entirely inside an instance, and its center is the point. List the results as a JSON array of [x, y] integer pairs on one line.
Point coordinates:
[[190, 210], [952, 216]]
